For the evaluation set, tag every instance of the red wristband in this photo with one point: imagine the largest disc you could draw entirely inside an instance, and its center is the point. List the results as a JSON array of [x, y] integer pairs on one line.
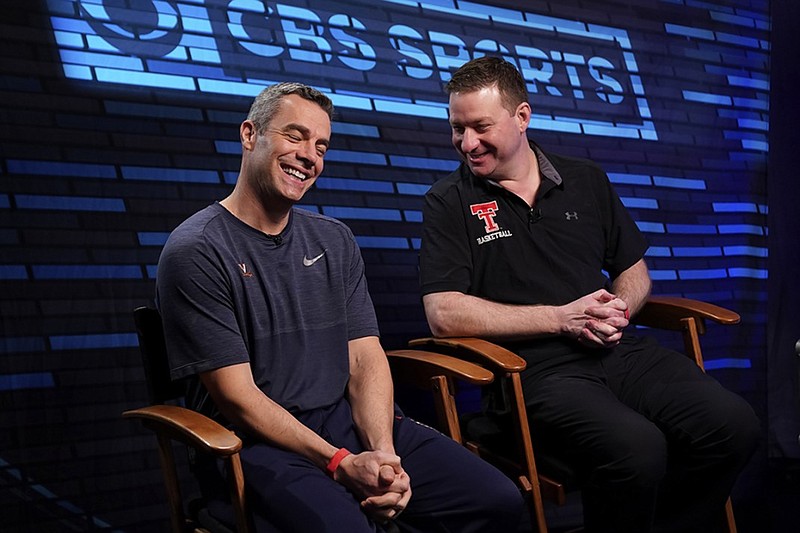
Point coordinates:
[[333, 464], [627, 314]]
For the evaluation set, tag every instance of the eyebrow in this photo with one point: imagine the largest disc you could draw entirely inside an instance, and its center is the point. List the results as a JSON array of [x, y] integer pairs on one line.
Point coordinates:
[[477, 121]]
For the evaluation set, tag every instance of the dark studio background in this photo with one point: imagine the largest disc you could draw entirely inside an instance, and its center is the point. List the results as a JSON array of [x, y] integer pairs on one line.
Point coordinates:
[[113, 131]]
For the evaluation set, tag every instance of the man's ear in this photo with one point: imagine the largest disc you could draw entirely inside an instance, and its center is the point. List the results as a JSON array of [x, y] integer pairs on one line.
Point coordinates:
[[248, 134], [523, 115]]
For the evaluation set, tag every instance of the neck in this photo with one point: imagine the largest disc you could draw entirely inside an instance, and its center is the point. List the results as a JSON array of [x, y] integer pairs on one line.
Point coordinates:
[[255, 213], [525, 183]]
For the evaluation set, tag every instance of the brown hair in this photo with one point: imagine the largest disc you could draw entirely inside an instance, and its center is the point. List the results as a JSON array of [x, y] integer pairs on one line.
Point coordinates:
[[489, 71]]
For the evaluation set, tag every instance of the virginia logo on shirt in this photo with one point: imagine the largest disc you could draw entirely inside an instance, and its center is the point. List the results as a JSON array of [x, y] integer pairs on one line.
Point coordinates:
[[486, 212], [245, 272]]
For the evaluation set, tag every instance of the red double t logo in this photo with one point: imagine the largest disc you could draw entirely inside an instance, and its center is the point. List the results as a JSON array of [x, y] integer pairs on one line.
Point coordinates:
[[486, 212]]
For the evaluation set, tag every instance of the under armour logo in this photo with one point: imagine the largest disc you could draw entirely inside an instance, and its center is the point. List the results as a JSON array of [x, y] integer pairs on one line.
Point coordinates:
[[486, 212], [571, 215], [246, 273]]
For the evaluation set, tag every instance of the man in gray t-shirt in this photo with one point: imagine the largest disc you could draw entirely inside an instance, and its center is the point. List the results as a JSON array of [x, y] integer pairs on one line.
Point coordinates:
[[267, 315]]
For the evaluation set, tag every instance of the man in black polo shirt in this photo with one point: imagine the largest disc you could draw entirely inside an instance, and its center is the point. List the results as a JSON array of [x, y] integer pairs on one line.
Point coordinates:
[[516, 246]]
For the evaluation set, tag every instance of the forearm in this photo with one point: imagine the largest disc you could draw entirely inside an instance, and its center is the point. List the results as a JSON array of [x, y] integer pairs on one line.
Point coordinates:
[[246, 406], [453, 314], [371, 394], [377, 473], [633, 286]]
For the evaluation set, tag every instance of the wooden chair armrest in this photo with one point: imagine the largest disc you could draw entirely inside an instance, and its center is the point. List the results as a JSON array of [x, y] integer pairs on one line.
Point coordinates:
[[666, 312], [474, 350], [188, 427], [419, 366]]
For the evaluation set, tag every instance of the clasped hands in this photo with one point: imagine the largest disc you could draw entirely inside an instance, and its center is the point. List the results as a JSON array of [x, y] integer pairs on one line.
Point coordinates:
[[379, 479], [597, 319]]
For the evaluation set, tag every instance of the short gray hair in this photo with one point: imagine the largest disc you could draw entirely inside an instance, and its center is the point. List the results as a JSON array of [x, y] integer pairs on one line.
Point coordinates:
[[266, 104]]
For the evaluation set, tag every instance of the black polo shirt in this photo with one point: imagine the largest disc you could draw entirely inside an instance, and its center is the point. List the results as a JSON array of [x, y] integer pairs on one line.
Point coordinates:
[[483, 240]]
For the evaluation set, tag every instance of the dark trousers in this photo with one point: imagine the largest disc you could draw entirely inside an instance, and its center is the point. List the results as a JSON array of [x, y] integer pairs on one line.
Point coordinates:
[[656, 443], [452, 489]]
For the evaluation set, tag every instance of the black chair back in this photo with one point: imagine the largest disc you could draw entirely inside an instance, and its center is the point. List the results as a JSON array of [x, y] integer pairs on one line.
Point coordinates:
[[160, 388]]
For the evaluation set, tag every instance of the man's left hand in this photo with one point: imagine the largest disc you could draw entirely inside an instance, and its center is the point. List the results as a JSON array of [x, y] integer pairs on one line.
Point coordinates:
[[393, 501]]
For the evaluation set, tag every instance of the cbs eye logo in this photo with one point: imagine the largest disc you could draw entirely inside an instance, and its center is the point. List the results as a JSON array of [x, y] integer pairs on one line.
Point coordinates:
[[143, 28]]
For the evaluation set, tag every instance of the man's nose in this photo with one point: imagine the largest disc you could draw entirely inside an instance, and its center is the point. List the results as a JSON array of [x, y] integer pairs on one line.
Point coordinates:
[[308, 152], [469, 140]]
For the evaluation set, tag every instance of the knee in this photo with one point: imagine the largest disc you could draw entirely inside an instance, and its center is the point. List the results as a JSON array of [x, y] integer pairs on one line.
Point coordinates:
[[638, 462], [739, 430], [502, 501]]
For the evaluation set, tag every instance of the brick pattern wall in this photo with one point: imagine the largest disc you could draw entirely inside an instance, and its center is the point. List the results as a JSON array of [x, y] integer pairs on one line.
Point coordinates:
[[117, 124]]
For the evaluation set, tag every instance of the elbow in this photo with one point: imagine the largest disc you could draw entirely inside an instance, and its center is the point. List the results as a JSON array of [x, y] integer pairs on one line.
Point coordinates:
[[441, 322], [439, 329]]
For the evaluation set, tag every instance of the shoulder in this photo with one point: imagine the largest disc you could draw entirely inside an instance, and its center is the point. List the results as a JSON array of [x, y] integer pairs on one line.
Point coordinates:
[[195, 230], [309, 220], [574, 165], [192, 250], [579, 175], [202, 241]]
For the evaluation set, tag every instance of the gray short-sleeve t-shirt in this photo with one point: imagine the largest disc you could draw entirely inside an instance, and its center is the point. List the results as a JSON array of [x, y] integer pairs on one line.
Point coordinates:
[[286, 304]]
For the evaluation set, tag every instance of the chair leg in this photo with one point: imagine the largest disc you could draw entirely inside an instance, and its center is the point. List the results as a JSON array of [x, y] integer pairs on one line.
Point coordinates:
[[729, 517], [236, 480], [538, 507], [167, 458], [533, 486], [535, 505]]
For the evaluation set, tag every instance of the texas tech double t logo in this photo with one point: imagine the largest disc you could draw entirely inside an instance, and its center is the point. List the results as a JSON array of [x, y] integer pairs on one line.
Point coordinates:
[[486, 213]]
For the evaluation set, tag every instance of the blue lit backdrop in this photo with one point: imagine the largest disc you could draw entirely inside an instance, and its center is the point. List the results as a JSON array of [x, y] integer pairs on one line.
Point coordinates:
[[125, 121]]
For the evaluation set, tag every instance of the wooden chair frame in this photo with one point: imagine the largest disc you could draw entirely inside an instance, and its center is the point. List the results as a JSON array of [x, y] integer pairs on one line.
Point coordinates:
[[174, 423], [434, 372], [683, 315]]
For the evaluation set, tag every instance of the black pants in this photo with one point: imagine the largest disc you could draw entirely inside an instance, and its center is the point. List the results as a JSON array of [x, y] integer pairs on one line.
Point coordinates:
[[452, 489], [657, 444]]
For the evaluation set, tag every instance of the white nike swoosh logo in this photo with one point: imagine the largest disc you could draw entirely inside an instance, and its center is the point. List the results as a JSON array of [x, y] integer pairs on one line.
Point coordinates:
[[308, 262]]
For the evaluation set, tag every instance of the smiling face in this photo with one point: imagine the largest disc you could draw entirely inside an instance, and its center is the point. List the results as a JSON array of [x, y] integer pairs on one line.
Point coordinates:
[[284, 160], [486, 134]]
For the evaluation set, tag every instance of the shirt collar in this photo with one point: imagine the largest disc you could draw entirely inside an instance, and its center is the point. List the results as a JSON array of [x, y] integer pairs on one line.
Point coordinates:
[[546, 168]]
